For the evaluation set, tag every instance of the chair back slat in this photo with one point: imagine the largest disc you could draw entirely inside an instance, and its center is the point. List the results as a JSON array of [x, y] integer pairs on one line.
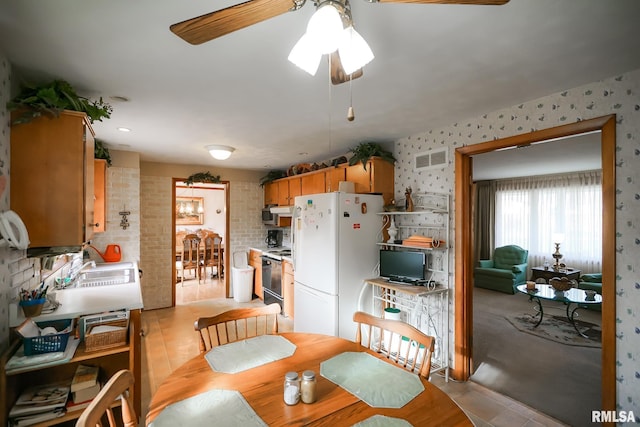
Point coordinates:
[[398, 341], [235, 325], [118, 386]]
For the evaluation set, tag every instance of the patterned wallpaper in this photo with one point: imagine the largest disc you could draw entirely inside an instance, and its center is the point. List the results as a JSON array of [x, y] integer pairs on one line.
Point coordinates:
[[619, 95], [5, 280]]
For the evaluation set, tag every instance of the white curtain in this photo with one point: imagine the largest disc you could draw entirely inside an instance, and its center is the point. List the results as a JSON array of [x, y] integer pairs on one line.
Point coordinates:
[[533, 212]]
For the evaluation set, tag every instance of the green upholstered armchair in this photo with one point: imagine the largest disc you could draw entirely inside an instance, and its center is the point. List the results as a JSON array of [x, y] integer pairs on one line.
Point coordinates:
[[592, 282], [507, 269]]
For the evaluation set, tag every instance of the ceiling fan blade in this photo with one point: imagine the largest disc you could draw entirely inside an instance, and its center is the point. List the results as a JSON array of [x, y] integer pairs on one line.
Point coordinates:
[[338, 75], [224, 21], [471, 2]]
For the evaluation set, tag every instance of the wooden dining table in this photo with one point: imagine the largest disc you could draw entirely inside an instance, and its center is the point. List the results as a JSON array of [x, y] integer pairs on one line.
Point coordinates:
[[262, 388]]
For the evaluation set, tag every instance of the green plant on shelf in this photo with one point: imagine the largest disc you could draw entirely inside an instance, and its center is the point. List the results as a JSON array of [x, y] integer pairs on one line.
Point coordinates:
[[51, 99]]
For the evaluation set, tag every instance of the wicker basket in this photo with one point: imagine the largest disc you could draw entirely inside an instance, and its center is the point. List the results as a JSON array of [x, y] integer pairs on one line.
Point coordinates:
[[103, 340], [563, 284], [48, 343]]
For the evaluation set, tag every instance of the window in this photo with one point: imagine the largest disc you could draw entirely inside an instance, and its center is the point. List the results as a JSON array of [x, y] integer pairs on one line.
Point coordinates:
[[529, 211]]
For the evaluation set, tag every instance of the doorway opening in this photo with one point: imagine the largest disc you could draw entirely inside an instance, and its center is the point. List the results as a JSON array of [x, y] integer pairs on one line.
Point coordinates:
[[464, 247], [201, 210]]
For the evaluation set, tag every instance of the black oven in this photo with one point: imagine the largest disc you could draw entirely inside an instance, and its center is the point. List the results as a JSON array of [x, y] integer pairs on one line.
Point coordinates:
[[272, 281]]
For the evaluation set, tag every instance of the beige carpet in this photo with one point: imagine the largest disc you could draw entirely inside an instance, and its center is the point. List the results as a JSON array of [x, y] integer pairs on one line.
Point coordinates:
[[563, 381]]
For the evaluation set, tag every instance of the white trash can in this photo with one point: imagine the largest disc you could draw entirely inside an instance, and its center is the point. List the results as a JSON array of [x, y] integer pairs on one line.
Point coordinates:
[[242, 277]]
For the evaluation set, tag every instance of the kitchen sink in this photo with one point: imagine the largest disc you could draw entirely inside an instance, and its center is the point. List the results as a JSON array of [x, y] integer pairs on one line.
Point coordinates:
[[105, 277]]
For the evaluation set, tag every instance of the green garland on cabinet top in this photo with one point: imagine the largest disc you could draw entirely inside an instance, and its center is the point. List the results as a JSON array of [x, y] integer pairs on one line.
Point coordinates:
[[202, 177]]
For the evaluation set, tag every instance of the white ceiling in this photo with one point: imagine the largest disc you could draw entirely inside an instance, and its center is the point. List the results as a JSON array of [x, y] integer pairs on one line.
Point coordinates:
[[570, 154], [434, 65]]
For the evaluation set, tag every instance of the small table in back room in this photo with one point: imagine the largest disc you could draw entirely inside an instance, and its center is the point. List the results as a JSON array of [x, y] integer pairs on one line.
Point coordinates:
[[550, 273]]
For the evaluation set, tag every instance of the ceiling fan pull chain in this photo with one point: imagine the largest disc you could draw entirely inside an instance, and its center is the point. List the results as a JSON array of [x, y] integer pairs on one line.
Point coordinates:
[[350, 115]]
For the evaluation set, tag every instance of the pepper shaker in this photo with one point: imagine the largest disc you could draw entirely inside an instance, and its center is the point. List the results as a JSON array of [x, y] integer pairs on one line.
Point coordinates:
[[308, 387]]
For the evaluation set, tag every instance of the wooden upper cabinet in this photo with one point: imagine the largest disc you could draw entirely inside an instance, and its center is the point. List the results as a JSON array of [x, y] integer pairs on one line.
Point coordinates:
[[283, 192], [313, 182], [295, 188], [100, 195], [52, 179], [377, 178], [332, 178], [271, 193]]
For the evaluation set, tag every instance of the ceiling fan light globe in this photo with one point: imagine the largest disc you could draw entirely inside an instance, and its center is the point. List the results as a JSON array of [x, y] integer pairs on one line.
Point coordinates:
[[354, 51], [325, 28], [305, 55]]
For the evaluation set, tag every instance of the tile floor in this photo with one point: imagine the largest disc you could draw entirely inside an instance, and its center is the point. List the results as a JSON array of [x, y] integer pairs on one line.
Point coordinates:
[[170, 341]]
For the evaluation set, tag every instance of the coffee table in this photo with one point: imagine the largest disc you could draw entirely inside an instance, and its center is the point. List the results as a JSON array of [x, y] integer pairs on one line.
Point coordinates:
[[572, 296]]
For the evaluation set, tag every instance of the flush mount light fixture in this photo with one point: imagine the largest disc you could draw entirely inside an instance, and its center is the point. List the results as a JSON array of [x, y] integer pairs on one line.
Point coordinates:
[[330, 29], [220, 152]]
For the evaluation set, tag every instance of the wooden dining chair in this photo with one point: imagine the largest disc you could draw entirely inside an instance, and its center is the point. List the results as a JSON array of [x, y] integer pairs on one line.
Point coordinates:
[[191, 255], [409, 347], [237, 324], [213, 254], [118, 387]]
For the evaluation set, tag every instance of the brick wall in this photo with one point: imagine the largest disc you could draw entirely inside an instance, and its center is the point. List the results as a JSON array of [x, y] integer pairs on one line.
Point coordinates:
[[245, 230]]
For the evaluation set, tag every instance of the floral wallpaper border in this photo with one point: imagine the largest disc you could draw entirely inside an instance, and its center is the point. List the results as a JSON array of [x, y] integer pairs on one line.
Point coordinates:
[[619, 95]]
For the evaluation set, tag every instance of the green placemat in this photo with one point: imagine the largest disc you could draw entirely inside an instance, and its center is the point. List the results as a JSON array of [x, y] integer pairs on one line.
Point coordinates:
[[383, 421], [378, 383], [215, 407], [246, 354]]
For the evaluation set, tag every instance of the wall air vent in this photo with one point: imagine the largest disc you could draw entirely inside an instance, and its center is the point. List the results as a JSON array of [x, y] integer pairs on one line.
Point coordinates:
[[431, 160]]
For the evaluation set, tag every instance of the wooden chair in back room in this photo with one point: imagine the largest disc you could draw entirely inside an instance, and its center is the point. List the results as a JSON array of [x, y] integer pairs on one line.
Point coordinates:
[[236, 324], [398, 341], [190, 255], [213, 254]]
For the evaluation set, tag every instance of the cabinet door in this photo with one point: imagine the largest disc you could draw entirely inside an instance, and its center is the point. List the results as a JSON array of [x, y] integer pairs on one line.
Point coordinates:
[[382, 178], [256, 262], [377, 178], [360, 177], [287, 288], [295, 189], [332, 179], [271, 193], [283, 192], [312, 183], [52, 179], [99, 196]]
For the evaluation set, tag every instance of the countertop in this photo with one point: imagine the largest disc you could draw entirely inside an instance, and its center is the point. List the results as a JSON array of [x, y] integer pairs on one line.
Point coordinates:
[[266, 250], [76, 302]]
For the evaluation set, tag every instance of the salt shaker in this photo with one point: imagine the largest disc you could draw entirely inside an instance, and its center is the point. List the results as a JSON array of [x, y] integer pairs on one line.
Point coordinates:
[[291, 388], [308, 387]]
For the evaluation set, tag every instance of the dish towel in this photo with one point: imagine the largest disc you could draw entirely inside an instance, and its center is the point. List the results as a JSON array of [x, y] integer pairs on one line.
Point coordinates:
[[219, 407], [378, 383], [246, 354]]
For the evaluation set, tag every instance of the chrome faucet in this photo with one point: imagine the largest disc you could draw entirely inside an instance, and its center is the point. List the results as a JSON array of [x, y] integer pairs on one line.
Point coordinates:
[[73, 274]]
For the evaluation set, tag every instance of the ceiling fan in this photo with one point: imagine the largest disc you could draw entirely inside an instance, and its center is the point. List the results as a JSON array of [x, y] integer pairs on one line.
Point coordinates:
[[224, 21]]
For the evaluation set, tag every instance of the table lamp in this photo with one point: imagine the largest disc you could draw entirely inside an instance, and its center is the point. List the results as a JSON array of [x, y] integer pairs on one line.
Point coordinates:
[[557, 238]]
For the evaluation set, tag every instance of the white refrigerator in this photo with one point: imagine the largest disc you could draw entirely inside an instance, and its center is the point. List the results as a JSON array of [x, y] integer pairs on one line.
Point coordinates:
[[334, 251]]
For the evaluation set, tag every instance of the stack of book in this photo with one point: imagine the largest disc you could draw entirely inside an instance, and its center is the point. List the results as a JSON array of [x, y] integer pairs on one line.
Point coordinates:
[[84, 387], [39, 403]]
